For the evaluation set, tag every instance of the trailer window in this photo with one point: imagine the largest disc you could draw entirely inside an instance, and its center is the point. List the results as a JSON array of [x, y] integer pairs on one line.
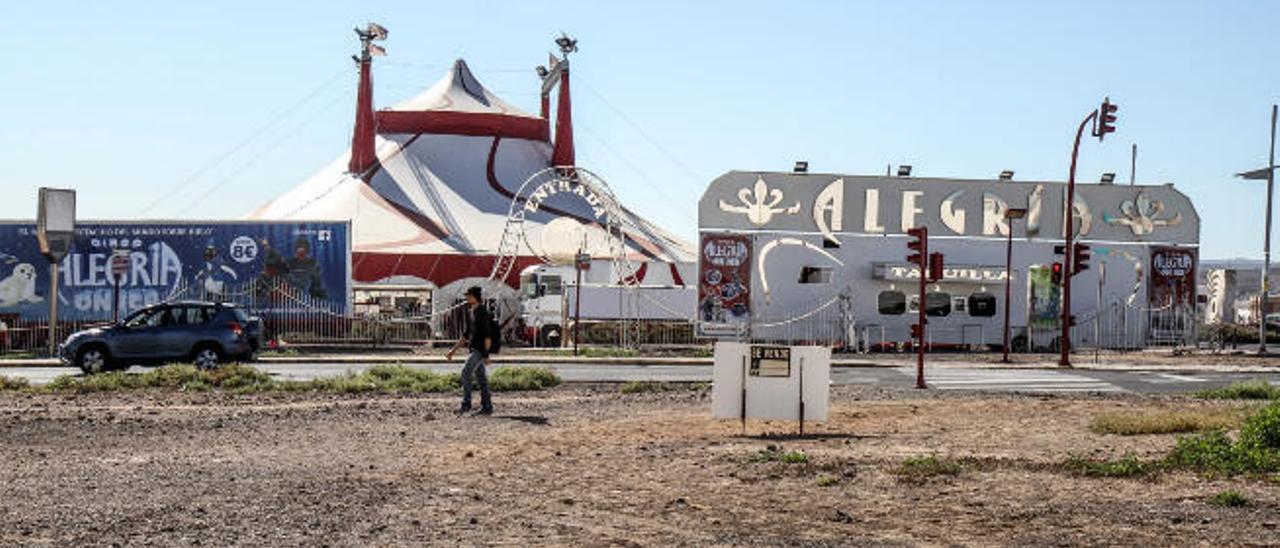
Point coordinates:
[[529, 285], [815, 275], [551, 285], [937, 304], [982, 305], [892, 303]]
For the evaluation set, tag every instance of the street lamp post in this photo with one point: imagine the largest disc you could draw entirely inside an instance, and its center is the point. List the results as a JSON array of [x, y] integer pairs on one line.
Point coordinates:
[[1009, 215], [1266, 251], [1268, 173]]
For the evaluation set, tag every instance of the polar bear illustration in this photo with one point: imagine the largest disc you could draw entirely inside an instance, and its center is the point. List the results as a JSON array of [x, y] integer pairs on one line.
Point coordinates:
[[19, 287]]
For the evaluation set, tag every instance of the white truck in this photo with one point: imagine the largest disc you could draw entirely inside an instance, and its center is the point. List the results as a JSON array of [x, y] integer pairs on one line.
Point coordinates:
[[548, 297]]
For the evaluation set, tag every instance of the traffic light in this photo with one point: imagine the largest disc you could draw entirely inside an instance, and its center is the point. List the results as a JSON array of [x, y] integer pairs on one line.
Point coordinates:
[[935, 267], [1106, 119], [919, 245], [917, 333], [1080, 259], [1055, 274]]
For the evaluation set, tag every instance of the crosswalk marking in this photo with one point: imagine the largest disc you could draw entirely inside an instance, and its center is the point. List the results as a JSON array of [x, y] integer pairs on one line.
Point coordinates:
[[1171, 378], [1011, 380]]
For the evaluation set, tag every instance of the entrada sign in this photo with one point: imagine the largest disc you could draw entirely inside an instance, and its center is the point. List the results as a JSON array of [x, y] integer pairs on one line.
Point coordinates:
[[566, 185]]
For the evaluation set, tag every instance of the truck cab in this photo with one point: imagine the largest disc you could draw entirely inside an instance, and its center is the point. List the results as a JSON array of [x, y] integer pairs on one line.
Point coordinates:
[[542, 303]]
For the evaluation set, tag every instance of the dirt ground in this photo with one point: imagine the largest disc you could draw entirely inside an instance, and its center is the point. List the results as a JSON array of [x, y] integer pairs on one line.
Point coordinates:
[[588, 466]]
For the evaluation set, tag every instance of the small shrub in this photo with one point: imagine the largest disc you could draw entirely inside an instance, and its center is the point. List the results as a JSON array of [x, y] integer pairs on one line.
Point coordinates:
[[241, 378], [1262, 429], [828, 481], [643, 387], [279, 352], [1211, 451], [921, 468], [522, 378], [1229, 499], [1245, 390], [14, 383], [1163, 422], [1125, 467], [776, 454], [794, 457]]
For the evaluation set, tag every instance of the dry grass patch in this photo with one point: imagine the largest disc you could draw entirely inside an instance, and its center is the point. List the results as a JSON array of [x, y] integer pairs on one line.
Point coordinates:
[[1129, 423]]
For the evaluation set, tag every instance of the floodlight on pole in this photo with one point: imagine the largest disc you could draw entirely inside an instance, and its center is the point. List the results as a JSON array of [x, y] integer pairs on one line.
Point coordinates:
[[801, 167], [1006, 175], [1108, 178], [567, 45], [542, 71], [904, 171]]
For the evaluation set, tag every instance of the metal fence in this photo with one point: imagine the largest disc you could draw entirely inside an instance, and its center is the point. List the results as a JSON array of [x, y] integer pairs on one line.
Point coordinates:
[[291, 316]]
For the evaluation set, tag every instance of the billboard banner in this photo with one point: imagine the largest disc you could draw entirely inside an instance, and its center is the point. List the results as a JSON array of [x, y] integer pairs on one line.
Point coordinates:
[[1173, 277], [1043, 302], [175, 260], [724, 284]]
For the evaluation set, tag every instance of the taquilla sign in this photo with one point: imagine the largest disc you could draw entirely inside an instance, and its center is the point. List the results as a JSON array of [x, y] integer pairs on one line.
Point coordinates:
[[832, 205]]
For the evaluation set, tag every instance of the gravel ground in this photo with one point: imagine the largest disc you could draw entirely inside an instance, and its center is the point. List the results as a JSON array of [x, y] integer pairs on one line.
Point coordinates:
[[586, 465]]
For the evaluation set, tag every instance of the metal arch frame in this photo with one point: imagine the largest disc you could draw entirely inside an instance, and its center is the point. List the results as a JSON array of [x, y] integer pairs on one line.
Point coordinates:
[[515, 238]]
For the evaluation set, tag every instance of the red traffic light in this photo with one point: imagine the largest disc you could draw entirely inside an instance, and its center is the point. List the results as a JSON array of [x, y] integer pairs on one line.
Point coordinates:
[[935, 267], [1080, 259], [1055, 274], [919, 244], [1106, 119]]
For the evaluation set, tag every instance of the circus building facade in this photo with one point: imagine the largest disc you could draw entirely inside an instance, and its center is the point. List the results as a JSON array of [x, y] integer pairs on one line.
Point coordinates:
[[799, 256], [432, 184]]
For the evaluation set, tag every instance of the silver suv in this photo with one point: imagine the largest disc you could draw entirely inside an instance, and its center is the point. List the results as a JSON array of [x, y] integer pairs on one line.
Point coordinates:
[[204, 333]]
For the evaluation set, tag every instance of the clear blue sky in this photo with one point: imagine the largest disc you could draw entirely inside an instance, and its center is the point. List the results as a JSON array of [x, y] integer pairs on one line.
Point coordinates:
[[186, 109]]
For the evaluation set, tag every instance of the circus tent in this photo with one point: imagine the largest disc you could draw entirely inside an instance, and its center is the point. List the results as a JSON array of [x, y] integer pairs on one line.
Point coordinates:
[[429, 183]]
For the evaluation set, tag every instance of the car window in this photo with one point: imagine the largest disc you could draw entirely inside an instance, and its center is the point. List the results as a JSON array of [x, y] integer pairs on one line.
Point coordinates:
[[191, 315], [169, 316], [145, 318], [241, 315]]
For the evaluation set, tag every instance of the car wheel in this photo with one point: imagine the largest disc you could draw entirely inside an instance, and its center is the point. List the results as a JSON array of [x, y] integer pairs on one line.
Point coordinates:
[[206, 357], [93, 360]]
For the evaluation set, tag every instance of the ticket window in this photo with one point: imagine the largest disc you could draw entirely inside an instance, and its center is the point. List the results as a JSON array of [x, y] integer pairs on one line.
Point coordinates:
[[982, 305], [891, 303]]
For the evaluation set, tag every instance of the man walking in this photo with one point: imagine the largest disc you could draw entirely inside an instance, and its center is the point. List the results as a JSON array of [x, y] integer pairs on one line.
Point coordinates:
[[479, 340]]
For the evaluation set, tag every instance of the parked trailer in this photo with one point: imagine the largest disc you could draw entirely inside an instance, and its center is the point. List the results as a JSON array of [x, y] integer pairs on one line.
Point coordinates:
[[549, 297]]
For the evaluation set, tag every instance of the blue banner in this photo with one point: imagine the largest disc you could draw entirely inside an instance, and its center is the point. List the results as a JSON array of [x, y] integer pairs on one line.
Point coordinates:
[[309, 262]]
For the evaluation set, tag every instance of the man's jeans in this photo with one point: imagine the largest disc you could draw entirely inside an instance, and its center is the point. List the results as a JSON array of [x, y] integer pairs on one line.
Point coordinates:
[[475, 368]]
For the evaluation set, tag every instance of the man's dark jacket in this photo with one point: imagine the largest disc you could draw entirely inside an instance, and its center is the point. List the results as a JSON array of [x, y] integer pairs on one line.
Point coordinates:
[[477, 329]]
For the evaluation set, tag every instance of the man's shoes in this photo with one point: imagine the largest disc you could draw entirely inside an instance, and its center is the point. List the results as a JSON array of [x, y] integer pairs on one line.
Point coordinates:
[[463, 410], [484, 411]]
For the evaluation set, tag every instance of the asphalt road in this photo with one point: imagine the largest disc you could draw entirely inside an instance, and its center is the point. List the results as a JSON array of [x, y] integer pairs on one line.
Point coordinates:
[[940, 378]]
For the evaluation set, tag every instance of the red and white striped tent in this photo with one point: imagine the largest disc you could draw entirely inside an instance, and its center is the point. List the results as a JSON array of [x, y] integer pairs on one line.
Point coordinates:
[[429, 183]]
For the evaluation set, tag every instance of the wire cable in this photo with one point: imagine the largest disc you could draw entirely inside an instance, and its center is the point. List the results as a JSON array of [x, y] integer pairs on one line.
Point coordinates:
[[182, 184]]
